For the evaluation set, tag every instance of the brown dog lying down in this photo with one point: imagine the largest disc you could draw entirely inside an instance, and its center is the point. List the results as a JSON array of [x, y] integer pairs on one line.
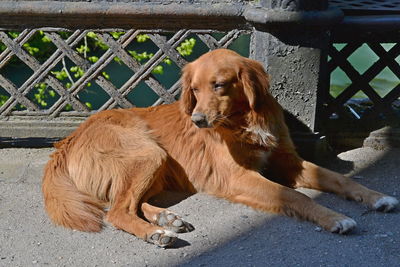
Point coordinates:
[[216, 139]]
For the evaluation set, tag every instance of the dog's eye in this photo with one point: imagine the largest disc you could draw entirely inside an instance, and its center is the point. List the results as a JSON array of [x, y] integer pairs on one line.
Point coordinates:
[[218, 86]]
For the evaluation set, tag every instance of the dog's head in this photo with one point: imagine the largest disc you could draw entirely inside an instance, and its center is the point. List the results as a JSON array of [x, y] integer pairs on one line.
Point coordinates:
[[221, 84]]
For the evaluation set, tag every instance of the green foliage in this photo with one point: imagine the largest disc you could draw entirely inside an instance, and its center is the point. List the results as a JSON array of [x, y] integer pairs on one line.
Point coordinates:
[[94, 41], [83, 49], [141, 38], [105, 75], [68, 107], [3, 99], [60, 75], [42, 93], [117, 35], [93, 59], [186, 47], [2, 47], [41, 47], [13, 34], [140, 57]]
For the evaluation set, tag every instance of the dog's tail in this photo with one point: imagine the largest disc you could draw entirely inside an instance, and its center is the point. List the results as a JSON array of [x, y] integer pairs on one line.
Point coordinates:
[[66, 205]]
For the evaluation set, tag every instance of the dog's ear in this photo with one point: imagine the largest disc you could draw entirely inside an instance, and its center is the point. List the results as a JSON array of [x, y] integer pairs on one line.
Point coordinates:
[[255, 84], [188, 100], [266, 115]]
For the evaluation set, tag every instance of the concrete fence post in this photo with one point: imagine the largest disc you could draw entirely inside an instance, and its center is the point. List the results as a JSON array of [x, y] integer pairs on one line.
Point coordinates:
[[294, 55]]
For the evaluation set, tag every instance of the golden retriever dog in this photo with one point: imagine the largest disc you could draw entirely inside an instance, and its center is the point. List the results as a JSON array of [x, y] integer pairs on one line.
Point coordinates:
[[226, 137]]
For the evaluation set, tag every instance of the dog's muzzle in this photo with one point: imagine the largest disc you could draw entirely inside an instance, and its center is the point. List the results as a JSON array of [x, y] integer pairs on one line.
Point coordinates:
[[200, 120]]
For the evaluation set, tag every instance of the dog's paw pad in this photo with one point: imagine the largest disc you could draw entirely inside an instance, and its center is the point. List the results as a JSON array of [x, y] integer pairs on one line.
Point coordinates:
[[343, 226], [162, 238], [173, 222], [385, 204]]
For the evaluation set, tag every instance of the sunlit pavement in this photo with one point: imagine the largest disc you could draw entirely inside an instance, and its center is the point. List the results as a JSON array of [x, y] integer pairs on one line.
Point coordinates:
[[226, 234]]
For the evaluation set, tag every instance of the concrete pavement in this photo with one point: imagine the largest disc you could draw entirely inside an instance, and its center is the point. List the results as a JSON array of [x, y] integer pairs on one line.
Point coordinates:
[[226, 234]]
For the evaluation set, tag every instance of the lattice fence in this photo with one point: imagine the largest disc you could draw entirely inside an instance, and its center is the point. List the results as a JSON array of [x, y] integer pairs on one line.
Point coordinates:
[[366, 5], [369, 90], [64, 79]]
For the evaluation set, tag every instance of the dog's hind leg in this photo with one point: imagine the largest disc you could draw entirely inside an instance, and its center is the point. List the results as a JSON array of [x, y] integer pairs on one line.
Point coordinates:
[[145, 168], [165, 218]]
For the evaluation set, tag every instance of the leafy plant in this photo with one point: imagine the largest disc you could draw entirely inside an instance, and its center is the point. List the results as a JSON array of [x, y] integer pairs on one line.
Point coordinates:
[[3, 99], [42, 93], [41, 47], [186, 47]]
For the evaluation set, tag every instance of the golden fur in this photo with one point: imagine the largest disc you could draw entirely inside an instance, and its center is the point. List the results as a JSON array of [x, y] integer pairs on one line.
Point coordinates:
[[121, 158]]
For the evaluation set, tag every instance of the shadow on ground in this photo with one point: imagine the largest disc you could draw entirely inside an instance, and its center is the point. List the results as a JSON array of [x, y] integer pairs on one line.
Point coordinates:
[[280, 241], [226, 234]]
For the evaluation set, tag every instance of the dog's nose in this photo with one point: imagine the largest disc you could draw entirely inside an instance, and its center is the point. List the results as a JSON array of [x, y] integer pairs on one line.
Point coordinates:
[[200, 120]]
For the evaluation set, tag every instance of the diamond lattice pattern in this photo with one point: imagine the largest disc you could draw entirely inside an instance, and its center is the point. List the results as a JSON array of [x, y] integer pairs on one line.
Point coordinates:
[[54, 72], [364, 74]]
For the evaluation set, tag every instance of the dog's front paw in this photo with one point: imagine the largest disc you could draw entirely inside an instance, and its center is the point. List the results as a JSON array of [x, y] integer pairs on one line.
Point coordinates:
[[162, 238], [343, 226], [173, 222], [385, 204]]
